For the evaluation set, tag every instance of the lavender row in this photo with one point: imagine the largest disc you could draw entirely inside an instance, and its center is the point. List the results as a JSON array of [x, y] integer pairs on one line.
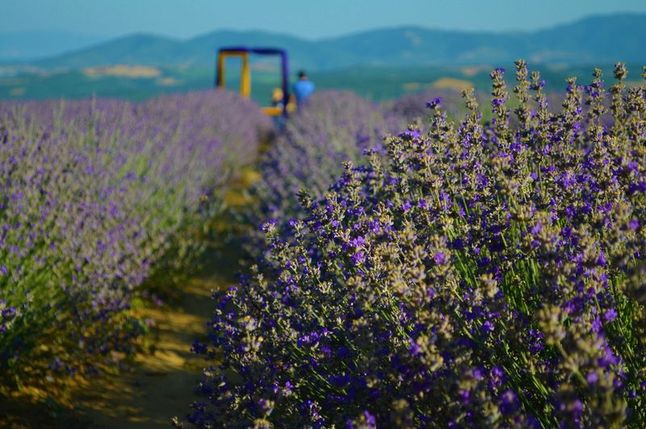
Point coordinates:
[[468, 276], [93, 195], [333, 127]]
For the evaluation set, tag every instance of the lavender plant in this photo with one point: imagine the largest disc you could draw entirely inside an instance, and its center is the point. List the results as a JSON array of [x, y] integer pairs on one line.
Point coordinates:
[[472, 276], [93, 196], [333, 127]]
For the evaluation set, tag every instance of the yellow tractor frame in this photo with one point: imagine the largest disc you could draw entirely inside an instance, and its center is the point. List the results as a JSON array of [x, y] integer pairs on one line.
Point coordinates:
[[245, 78]]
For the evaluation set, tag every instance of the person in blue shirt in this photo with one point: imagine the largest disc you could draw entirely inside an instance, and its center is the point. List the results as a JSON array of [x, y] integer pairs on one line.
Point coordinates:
[[303, 89]]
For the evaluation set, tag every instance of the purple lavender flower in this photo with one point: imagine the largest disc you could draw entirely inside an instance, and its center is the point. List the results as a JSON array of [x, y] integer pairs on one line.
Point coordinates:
[[509, 403], [432, 104], [440, 258], [610, 315]]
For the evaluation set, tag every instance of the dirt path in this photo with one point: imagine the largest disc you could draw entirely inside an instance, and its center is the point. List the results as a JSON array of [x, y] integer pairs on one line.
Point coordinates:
[[157, 386], [160, 385]]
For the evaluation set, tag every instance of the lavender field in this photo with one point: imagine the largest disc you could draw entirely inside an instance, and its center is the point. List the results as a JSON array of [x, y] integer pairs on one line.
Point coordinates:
[[446, 259]]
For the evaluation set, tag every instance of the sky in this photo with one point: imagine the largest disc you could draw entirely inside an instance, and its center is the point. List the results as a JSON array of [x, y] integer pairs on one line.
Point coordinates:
[[312, 19]]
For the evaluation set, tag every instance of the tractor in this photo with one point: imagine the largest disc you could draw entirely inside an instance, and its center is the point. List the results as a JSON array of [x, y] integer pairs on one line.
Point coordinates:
[[282, 101]]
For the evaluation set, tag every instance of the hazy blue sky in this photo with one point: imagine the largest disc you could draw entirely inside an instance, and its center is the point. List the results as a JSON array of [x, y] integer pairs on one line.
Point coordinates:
[[306, 18]]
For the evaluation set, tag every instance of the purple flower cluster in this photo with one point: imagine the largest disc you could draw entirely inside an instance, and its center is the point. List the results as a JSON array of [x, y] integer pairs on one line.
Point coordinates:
[[93, 195], [471, 276]]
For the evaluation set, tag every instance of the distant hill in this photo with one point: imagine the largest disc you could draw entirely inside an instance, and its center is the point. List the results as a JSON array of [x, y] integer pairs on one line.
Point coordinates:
[[597, 39], [30, 45]]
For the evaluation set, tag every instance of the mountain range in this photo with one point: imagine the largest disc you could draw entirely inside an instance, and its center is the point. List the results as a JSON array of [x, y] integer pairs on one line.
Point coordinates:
[[29, 45], [596, 39]]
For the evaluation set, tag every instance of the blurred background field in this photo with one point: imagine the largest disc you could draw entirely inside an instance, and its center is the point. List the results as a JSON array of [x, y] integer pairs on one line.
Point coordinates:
[[379, 64], [377, 83]]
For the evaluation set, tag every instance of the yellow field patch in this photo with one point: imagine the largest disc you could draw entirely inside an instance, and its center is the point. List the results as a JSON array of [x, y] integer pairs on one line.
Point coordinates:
[[17, 92], [415, 86], [474, 70], [167, 81], [123, 70], [411, 86], [452, 83]]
